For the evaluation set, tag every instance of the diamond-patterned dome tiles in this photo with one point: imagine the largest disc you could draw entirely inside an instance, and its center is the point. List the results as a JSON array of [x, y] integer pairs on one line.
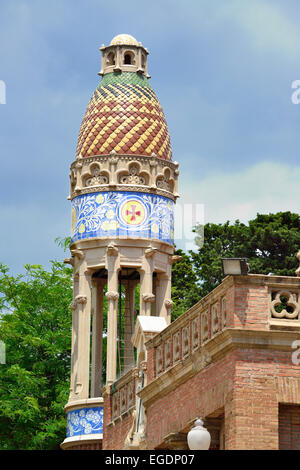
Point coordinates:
[[124, 115]]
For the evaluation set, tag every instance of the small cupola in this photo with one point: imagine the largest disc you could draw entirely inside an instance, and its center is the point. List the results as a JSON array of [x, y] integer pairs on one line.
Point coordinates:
[[124, 54]]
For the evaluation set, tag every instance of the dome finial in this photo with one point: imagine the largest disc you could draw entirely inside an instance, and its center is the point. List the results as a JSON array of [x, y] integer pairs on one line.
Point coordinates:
[[124, 54]]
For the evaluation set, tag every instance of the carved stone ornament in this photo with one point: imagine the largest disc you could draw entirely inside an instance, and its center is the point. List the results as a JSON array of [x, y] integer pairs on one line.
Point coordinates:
[[285, 305], [173, 259], [111, 295], [149, 298], [163, 183], [133, 177], [78, 164], [112, 250], [149, 252], [79, 253], [81, 299], [205, 360], [96, 178], [149, 174], [169, 303]]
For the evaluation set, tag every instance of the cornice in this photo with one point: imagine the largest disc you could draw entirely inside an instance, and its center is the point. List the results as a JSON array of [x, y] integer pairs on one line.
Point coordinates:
[[212, 350], [117, 172]]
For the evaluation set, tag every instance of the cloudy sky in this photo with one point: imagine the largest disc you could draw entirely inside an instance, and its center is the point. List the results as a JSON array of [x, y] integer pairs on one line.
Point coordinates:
[[222, 69]]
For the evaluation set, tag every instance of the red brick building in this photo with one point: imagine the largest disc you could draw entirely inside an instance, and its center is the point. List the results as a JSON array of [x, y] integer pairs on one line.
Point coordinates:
[[232, 359]]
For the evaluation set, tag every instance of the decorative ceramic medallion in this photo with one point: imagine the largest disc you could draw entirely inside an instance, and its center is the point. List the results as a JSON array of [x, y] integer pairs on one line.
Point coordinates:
[[85, 421], [122, 214], [133, 212]]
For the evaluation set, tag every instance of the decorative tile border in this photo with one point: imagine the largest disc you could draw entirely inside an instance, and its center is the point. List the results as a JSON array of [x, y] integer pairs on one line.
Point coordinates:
[[85, 421], [122, 214]]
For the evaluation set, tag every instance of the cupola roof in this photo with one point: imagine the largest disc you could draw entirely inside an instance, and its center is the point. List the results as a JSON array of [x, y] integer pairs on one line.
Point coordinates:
[[124, 39], [124, 114]]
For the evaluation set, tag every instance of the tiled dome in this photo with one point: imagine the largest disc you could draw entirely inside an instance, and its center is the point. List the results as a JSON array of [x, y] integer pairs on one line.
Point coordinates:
[[124, 115]]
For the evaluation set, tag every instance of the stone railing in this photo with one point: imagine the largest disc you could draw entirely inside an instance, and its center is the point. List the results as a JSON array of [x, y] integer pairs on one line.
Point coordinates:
[[190, 331], [123, 394], [253, 302]]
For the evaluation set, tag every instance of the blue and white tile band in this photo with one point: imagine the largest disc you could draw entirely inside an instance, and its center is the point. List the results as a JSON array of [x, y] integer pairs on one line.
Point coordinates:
[[85, 422], [123, 214]]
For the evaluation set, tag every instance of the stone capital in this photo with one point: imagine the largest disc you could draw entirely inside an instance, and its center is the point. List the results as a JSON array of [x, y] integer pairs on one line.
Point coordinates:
[[112, 250], [81, 299], [112, 295], [169, 303], [149, 298]]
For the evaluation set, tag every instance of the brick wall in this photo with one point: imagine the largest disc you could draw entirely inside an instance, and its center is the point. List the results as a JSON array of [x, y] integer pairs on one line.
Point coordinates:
[[289, 427], [114, 433], [247, 384], [241, 385], [199, 396]]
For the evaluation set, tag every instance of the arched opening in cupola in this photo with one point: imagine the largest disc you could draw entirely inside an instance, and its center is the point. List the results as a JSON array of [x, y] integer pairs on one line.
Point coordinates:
[[129, 58]]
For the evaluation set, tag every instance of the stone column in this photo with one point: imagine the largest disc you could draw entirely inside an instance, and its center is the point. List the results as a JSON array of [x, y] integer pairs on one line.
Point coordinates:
[[163, 296], [129, 324], [146, 277], [74, 350], [83, 302], [97, 336], [112, 295]]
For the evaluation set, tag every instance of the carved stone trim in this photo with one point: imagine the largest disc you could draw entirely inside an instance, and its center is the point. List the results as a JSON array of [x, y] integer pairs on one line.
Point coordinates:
[[81, 299], [78, 253], [148, 174], [111, 295], [148, 298], [149, 252], [285, 305], [112, 250], [168, 304]]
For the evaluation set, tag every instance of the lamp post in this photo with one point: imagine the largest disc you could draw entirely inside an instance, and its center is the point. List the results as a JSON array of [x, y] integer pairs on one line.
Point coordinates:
[[198, 438], [235, 266]]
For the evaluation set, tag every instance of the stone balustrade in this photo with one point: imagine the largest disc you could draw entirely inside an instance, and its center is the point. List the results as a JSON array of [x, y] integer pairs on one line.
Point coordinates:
[[256, 302], [123, 394]]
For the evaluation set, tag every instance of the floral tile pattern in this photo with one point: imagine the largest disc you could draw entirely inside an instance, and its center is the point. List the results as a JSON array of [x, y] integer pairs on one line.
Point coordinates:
[[122, 214], [85, 421]]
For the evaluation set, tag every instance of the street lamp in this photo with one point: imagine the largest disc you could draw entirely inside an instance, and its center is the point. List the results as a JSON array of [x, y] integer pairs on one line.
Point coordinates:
[[235, 266], [198, 438]]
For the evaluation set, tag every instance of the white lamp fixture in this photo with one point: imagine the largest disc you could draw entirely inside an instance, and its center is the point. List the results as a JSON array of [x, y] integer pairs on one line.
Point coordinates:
[[198, 438], [235, 266]]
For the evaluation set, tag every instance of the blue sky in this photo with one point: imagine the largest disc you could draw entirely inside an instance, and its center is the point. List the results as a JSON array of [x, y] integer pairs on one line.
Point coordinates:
[[222, 70]]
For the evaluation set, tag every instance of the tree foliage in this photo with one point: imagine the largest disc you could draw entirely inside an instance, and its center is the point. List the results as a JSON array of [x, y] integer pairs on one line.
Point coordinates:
[[34, 383], [269, 241]]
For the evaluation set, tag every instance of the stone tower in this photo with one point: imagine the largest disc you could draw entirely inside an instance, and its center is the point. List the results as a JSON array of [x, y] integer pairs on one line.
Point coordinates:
[[123, 185]]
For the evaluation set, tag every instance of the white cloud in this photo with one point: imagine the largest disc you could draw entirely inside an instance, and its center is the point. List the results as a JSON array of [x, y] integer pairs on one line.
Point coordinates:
[[263, 188], [267, 26]]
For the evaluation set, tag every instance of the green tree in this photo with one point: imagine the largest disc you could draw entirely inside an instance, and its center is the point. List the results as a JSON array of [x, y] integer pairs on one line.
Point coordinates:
[[35, 326], [270, 242], [185, 288]]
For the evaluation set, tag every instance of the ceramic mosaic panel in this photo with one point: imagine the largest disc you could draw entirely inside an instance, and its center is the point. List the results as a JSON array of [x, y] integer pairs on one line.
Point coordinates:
[[122, 214], [85, 421]]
